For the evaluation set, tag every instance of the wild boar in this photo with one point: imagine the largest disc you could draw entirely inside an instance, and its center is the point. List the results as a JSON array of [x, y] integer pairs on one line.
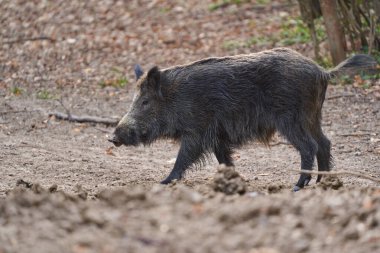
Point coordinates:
[[217, 104]]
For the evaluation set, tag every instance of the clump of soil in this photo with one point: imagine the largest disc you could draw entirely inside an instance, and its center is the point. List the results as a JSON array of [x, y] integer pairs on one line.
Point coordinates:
[[331, 182], [228, 181], [275, 188], [119, 197], [23, 183], [179, 219], [23, 186]]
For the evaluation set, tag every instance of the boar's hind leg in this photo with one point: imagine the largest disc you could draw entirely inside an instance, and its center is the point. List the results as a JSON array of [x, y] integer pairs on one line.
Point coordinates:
[[223, 153], [188, 154], [306, 145], [324, 158]]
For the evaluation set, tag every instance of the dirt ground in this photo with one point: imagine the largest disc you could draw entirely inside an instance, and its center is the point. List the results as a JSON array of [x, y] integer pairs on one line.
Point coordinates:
[[64, 188]]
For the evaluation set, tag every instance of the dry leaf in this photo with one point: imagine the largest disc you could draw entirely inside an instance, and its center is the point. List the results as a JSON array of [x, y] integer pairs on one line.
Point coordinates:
[[109, 151], [358, 81], [367, 203], [77, 129]]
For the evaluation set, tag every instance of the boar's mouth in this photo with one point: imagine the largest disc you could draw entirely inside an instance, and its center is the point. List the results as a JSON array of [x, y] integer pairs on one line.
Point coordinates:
[[144, 137], [121, 137], [115, 141]]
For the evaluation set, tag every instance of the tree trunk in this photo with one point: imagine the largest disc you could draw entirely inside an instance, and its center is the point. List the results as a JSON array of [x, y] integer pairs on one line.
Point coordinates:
[[377, 8], [335, 32], [310, 10]]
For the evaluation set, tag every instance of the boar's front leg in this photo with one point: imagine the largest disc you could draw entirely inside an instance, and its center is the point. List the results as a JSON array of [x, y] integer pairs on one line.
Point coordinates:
[[189, 153], [223, 153]]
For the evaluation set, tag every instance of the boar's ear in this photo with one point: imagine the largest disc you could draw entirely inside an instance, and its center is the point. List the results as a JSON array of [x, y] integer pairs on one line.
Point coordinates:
[[154, 78], [138, 71]]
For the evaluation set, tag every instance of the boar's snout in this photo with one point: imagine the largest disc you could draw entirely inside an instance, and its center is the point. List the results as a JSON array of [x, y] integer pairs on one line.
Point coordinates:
[[123, 135], [113, 138]]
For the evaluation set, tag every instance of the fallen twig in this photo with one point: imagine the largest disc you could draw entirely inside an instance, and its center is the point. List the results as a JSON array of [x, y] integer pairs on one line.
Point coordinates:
[[263, 174], [354, 134], [20, 40], [336, 173], [340, 96], [84, 119]]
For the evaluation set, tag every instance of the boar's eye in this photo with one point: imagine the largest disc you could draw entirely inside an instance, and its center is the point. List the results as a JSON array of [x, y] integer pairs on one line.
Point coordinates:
[[145, 102]]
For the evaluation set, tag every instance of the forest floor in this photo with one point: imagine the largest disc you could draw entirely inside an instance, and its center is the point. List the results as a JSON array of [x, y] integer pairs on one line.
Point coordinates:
[[64, 188]]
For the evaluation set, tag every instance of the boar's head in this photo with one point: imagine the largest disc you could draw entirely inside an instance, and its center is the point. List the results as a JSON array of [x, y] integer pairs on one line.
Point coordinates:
[[144, 120]]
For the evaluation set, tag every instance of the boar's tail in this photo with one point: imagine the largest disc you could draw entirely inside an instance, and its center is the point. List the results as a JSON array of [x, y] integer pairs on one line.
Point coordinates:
[[354, 63]]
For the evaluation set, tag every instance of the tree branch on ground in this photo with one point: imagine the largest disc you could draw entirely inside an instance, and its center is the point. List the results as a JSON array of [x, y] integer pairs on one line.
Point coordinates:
[[340, 96], [84, 119]]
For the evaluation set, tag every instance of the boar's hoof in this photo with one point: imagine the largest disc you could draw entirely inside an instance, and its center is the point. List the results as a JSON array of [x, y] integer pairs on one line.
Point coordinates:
[[166, 181], [169, 180], [303, 181], [296, 188]]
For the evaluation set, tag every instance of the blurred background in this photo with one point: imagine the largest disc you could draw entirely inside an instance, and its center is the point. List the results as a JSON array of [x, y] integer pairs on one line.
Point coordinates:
[[46, 45]]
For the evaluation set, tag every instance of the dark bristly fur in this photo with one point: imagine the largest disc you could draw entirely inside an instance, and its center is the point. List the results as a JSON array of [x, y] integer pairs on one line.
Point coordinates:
[[217, 104]]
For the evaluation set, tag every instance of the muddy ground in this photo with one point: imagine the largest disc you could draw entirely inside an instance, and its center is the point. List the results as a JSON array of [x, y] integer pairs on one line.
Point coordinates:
[[64, 188]]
